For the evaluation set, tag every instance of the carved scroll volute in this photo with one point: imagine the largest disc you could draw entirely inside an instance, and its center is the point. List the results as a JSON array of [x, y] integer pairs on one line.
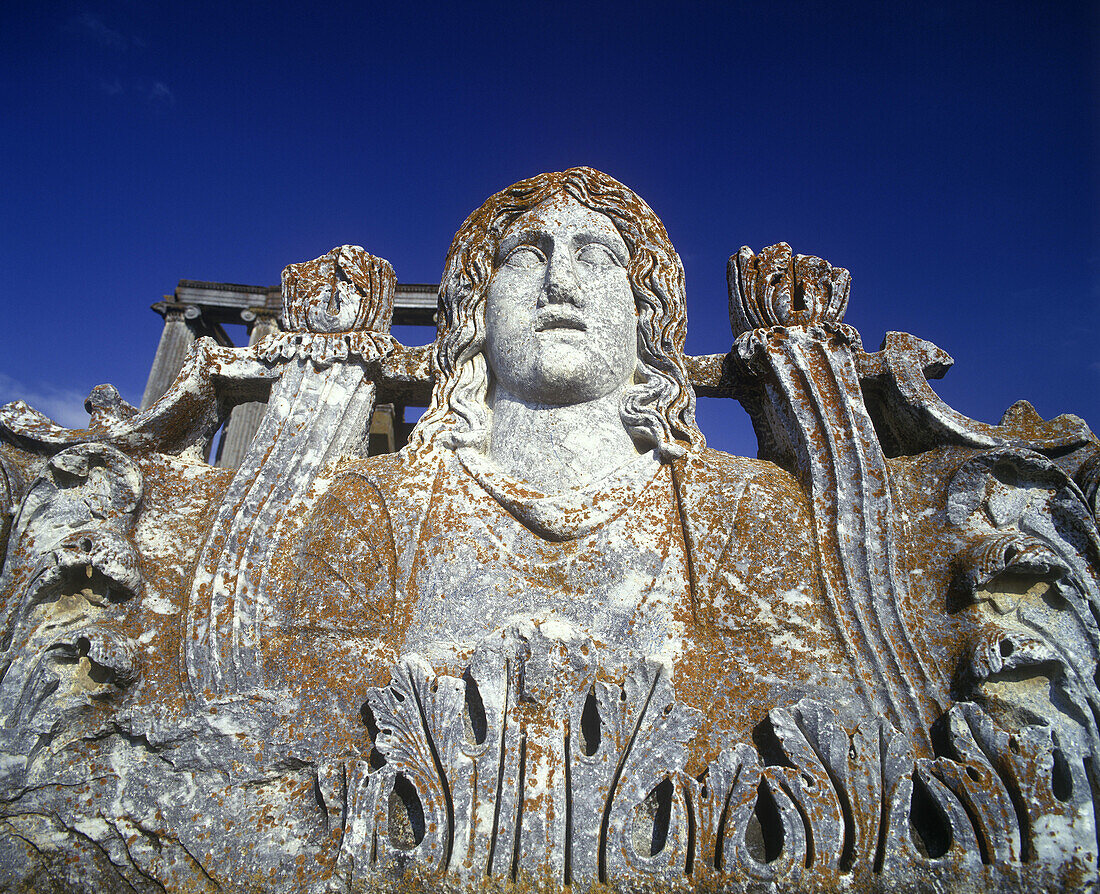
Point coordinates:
[[807, 408], [344, 290]]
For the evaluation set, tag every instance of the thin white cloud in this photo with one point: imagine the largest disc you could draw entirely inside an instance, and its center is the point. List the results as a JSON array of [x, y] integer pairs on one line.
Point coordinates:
[[160, 94], [63, 405], [92, 27], [153, 91]]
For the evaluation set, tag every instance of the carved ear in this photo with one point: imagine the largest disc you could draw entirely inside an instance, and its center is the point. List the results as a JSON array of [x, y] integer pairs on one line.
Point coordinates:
[[70, 568], [1023, 522], [1016, 490], [82, 486]]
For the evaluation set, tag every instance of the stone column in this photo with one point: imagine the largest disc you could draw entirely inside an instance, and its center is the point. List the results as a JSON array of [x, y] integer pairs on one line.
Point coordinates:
[[245, 419], [178, 335], [383, 436]]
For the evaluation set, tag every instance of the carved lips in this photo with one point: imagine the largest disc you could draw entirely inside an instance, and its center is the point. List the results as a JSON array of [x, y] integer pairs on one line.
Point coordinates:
[[559, 317]]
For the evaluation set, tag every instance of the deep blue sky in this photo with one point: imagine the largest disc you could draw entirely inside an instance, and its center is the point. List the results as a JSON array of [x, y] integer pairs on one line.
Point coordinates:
[[945, 153]]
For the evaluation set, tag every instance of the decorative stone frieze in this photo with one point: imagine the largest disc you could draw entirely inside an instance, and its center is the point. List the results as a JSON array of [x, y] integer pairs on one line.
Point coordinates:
[[556, 642]]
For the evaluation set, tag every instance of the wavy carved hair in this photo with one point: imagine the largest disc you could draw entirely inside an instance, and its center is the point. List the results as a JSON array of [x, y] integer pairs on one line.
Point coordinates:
[[658, 410]]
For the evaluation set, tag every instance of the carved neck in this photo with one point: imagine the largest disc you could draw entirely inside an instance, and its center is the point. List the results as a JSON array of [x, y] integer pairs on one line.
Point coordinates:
[[553, 448]]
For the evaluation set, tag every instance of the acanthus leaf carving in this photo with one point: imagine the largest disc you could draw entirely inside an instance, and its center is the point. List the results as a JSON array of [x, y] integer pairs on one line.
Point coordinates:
[[833, 796]]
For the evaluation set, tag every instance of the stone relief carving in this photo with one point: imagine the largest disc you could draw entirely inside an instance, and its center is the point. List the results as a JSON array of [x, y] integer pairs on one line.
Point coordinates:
[[556, 641], [319, 410], [69, 585], [602, 769]]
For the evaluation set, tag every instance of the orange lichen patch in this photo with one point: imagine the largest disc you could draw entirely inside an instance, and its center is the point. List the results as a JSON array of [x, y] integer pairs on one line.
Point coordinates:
[[174, 514], [677, 670], [746, 577]]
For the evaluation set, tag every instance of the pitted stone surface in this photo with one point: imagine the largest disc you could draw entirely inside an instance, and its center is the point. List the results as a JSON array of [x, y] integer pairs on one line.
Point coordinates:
[[556, 642]]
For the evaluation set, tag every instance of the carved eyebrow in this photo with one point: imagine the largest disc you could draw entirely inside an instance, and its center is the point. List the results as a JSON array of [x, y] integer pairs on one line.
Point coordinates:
[[528, 236], [614, 242]]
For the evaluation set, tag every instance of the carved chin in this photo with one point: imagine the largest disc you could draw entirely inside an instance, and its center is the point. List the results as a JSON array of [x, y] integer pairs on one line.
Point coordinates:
[[564, 373]]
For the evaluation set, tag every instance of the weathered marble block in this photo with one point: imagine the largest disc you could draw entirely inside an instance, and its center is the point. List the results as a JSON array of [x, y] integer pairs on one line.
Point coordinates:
[[556, 642]]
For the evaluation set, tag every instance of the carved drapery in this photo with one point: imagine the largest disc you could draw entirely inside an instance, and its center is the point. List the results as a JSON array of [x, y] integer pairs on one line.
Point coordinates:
[[536, 764], [786, 311], [320, 409]]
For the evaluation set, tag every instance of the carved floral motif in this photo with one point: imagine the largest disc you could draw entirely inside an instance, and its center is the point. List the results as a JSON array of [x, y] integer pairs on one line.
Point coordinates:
[[497, 775], [874, 649]]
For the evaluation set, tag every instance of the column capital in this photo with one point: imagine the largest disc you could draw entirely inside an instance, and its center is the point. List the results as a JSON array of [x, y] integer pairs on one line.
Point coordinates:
[[173, 310], [259, 314]]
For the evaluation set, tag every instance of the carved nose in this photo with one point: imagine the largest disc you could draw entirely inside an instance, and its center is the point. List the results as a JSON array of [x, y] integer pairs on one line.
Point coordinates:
[[561, 285]]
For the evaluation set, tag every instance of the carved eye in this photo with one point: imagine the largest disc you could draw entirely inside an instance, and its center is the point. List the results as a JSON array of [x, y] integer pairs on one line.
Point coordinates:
[[596, 254], [525, 257]]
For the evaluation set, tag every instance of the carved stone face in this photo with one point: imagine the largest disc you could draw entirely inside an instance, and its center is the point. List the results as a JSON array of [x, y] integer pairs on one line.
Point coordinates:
[[561, 323]]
